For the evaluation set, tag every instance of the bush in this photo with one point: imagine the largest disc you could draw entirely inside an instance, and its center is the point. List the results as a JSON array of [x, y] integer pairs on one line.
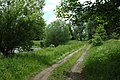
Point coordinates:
[[114, 35], [20, 22], [57, 33], [90, 41], [97, 41], [100, 36]]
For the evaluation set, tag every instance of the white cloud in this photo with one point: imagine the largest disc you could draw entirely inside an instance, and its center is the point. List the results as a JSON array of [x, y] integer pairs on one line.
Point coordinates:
[[49, 15], [52, 18], [50, 5], [48, 8]]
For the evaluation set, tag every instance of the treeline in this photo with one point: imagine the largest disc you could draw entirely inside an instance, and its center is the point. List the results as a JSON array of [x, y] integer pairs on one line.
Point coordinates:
[[22, 22], [98, 21]]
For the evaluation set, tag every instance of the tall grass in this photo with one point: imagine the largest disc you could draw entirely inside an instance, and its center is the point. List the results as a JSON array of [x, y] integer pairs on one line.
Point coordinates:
[[103, 62], [24, 65]]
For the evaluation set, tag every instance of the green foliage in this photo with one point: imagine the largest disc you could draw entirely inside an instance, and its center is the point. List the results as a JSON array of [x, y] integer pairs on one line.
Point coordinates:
[[20, 21], [78, 31], [71, 10], [104, 9], [57, 33], [102, 62], [91, 27], [107, 10], [100, 36], [114, 35], [101, 32], [36, 44], [23, 66], [97, 40]]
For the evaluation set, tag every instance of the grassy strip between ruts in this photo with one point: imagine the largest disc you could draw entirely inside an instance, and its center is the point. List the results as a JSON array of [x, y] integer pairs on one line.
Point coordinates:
[[103, 62], [22, 66], [60, 72]]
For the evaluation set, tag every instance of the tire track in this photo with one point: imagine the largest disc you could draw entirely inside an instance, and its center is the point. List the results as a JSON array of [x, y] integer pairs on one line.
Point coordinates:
[[43, 75], [75, 73]]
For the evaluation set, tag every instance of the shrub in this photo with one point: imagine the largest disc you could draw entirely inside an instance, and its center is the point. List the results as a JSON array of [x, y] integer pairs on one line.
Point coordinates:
[[100, 36], [97, 41], [57, 33], [114, 35]]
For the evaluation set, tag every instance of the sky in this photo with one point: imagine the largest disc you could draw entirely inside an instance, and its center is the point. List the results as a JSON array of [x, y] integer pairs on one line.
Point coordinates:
[[49, 14]]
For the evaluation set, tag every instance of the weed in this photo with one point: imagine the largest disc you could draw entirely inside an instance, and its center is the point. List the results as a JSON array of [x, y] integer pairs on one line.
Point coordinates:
[[103, 62], [24, 65]]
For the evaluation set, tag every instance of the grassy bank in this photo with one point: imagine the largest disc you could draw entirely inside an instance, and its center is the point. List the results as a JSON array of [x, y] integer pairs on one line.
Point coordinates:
[[103, 62], [62, 71], [22, 66]]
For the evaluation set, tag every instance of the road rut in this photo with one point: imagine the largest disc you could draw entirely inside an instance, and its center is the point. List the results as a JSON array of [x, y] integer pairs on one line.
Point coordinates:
[[76, 70], [43, 75]]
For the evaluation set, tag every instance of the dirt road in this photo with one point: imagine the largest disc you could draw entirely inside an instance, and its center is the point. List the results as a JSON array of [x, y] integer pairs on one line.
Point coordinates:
[[43, 75], [75, 73]]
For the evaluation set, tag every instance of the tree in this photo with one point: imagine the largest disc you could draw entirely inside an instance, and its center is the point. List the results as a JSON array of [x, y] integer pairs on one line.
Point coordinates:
[[57, 33], [39, 27], [78, 31], [100, 36], [18, 20], [72, 11], [106, 10], [91, 27]]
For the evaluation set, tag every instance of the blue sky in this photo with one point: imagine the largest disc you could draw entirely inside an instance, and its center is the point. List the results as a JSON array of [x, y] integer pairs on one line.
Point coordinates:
[[49, 15]]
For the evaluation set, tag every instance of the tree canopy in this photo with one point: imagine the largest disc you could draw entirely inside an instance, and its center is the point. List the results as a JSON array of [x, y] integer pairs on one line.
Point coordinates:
[[57, 33], [105, 12], [19, 21]]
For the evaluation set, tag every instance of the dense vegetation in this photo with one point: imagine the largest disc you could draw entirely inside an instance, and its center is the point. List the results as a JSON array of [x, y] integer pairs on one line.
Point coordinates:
[[102, 62], [21, 66], [57, 33], [20, 22], [90, 15]]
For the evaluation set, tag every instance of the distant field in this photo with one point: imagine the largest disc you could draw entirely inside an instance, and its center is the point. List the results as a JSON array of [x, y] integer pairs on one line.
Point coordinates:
[[22, 66], [103, 62]]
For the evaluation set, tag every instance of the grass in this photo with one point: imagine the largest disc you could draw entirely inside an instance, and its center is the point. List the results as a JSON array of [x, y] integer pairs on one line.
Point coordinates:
[[23, 66], [103, 62], [61, 72]]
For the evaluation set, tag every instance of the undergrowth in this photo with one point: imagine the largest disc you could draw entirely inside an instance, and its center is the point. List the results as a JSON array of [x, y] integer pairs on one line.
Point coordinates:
[[23, 65], [103, 62]]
